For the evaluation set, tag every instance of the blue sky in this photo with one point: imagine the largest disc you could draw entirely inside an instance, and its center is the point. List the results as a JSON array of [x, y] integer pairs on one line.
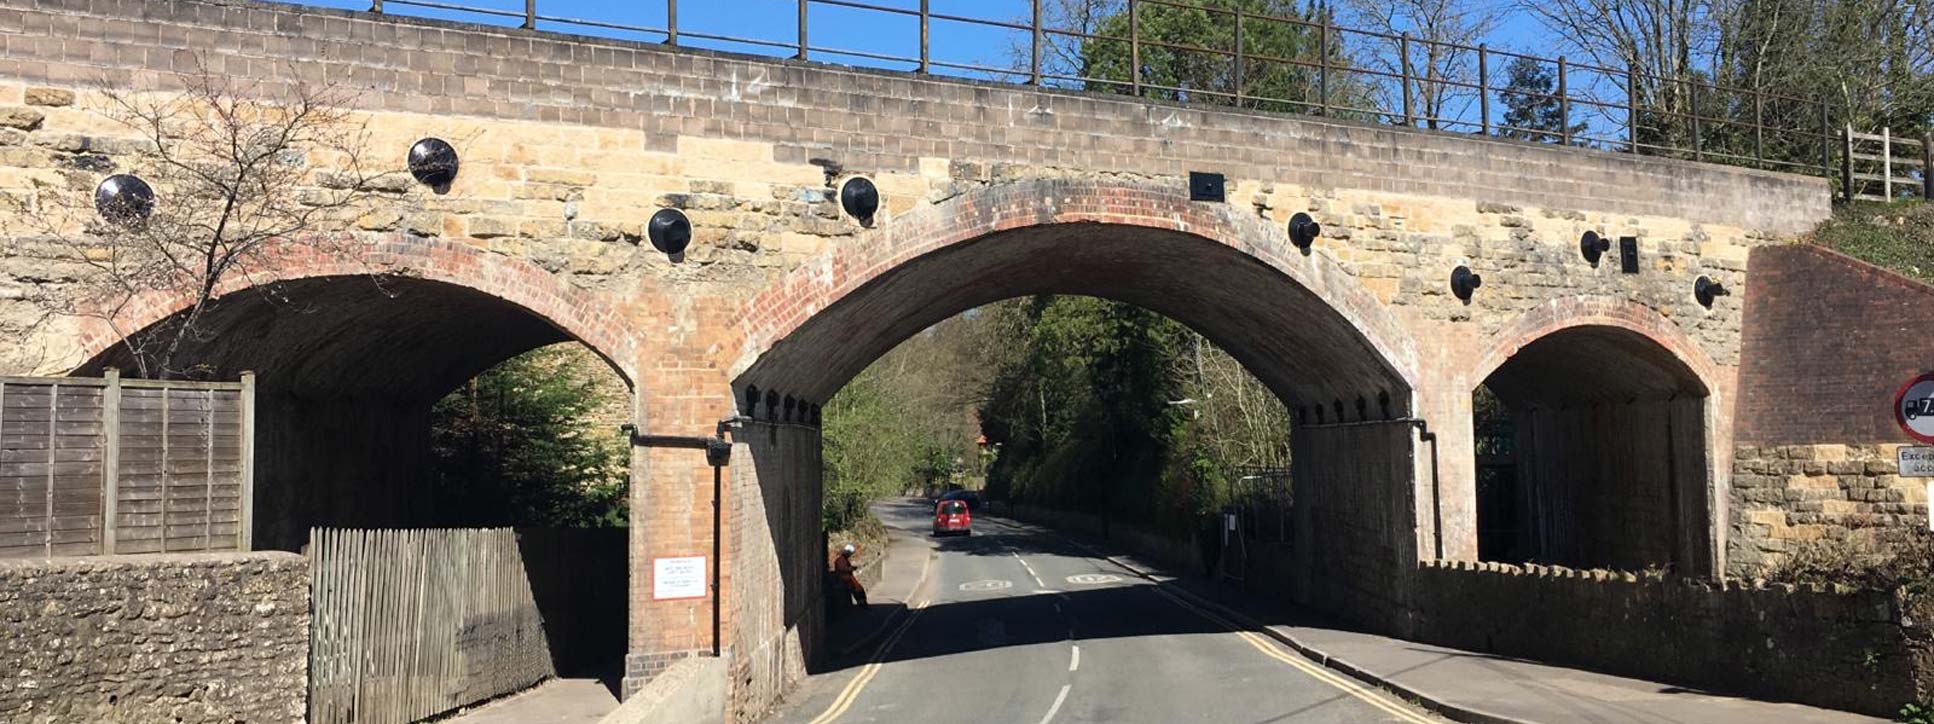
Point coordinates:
[[830, 26], [883, 33]]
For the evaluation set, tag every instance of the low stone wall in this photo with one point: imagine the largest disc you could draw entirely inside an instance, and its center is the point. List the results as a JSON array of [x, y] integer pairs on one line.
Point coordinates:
[[1786, 495], [1860, 651], [219, 637]]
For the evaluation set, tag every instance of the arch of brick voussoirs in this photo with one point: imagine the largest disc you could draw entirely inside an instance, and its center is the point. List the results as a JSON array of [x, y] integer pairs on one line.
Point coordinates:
[[1069, 236], [574, 312], [1574, 312]]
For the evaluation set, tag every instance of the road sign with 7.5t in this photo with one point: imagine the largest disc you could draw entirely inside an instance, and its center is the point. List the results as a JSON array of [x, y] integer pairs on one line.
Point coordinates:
[[1914, 408]]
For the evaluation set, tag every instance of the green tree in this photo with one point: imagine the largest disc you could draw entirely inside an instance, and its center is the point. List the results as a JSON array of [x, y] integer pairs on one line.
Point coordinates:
[[1531, 113], [1871, 60], [906, 421], [534, 441], [1185, 53], [1110, 408]]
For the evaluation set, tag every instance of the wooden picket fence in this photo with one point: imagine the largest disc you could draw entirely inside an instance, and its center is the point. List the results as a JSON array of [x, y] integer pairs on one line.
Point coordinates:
[[409, 624], [92, 466]]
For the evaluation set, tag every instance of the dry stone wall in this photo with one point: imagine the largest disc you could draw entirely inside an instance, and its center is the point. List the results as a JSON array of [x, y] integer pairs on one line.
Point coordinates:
[[1864, 651], [189, 638]]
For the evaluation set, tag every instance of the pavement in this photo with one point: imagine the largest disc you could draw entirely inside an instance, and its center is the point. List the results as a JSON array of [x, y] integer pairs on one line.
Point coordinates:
[[1485, 688], [556, 701], [1019, 623]]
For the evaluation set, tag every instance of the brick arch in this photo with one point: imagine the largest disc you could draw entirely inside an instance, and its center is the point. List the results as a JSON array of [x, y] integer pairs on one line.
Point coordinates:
[[1573, 312], [1619, 428], [1094, 228], [574, 312]]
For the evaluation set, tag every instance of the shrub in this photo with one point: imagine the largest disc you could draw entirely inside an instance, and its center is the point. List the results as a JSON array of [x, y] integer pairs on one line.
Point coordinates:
[[1901, 559]]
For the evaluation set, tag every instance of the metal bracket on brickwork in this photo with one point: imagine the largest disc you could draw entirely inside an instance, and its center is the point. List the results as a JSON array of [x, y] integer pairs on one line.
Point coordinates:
[[718, 453]]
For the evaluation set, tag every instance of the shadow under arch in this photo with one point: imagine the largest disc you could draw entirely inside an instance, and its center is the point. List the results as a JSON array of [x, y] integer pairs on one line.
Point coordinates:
[[1598, 455], [1298, 321], [350, 356]]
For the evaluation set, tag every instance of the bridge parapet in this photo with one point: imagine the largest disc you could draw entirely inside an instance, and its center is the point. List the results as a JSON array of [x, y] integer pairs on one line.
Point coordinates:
[[570, 144]]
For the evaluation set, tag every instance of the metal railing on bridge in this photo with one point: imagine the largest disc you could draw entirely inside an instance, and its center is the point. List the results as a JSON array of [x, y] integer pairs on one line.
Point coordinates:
[[1327, 70]]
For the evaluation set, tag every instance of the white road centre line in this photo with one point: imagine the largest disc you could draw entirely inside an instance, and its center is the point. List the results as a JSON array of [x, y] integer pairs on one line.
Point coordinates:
[[1058, 698], [1030, 569], [1074, 660]]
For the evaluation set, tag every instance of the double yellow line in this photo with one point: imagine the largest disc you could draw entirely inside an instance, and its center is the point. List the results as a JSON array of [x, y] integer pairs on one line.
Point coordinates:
[[1270, 648], [852, 691]]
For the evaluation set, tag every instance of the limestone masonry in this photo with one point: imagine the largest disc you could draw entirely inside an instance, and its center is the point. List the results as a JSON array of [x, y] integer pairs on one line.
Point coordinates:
[[568, 145], [192, 638]]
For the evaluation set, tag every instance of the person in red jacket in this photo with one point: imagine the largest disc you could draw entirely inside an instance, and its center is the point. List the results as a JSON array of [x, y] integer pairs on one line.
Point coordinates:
[[843, 567]]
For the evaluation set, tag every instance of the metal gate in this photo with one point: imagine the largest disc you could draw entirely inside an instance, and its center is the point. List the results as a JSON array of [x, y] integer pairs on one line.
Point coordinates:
[[409, 624]]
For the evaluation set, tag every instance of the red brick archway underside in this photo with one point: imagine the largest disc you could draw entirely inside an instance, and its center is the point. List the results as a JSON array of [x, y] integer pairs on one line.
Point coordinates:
[[1298, 321]]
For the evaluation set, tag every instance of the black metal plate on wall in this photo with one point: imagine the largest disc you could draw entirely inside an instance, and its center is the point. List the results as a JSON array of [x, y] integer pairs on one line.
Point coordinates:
[[1205, 186], [1628, 254]]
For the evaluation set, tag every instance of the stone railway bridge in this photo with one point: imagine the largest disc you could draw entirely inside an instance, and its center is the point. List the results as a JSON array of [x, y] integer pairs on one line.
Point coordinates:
[[1624, 384]]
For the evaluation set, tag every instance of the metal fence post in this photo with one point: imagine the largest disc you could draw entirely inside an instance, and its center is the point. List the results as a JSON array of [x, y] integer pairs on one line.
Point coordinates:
[[1034, 60], [1564, 105], [1846, 163], [802, 30], [1403, 49], [671, 22], [1826, 140], [925, 39], [530, 14], [110, 460], [1135, 47], [1692, 106], [1323, 68], [1632, 108], [376, 6], [1239, 93], [1484, 88], [1759, 128]]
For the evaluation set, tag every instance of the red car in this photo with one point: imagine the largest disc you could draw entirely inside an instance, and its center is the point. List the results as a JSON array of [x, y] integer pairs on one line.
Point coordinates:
[[952, 516]]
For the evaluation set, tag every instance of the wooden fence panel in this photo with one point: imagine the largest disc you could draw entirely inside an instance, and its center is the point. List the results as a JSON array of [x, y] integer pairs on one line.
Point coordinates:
[[107, 465], [408, 624]]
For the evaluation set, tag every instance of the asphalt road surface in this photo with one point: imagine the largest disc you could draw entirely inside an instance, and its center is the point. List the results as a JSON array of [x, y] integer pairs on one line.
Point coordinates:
[[1018, 624]]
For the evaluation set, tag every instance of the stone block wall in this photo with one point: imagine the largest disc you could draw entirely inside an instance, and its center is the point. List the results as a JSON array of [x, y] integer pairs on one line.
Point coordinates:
[[195, 639], [569, 145], [1795, 495], [1858, 651]]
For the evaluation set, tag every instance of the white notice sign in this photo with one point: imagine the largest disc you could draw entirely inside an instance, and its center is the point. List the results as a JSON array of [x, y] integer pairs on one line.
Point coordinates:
[[1916, 462], [674, 578]]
